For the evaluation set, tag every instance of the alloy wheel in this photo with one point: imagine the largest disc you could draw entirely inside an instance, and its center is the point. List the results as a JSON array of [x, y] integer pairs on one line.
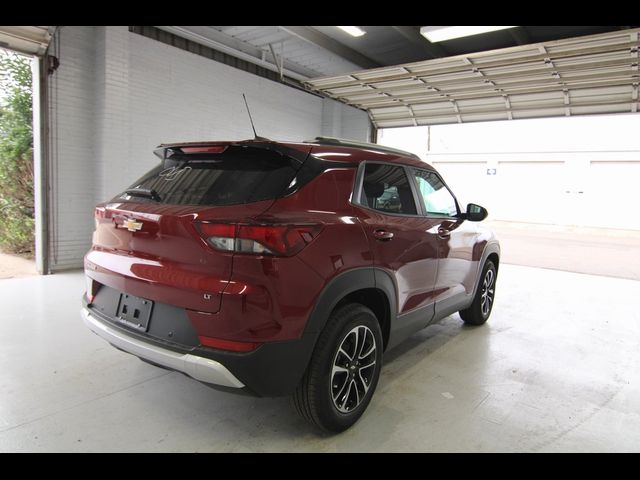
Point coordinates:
[[487, 293], [353, 369]]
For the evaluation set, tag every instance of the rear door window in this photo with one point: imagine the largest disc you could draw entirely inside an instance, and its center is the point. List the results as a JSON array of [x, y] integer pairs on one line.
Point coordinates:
[[386, 188], [236, 176]]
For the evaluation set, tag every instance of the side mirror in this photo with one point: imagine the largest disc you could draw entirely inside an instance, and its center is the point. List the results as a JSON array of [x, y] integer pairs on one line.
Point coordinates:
[[476, 213]]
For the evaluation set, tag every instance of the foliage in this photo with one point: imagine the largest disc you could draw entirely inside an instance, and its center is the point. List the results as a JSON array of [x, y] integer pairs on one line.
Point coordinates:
[[16, 155]]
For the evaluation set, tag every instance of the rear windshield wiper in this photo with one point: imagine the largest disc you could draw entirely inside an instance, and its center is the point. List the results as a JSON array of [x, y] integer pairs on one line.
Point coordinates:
[[144, 192]]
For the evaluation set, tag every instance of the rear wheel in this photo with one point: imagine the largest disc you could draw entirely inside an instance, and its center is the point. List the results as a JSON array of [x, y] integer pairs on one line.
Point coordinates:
[[344, 370], [480, 310]]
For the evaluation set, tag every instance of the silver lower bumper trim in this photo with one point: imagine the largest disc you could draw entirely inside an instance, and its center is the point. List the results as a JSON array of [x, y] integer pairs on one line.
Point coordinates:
[[200, 368]]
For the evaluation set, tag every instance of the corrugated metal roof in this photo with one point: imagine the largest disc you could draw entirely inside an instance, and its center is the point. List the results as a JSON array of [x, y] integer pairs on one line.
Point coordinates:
[[584, 75]]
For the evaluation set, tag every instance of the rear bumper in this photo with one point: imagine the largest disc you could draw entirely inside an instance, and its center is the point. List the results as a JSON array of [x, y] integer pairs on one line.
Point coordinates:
[[272, 370], [203, 369]]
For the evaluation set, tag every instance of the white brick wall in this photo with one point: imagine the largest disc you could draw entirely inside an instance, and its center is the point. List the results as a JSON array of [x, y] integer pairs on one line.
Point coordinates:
[[342, 121], [117, 95]]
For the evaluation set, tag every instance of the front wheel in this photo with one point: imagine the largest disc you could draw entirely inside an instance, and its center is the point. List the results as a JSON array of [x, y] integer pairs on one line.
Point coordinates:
[[479, 311], [344, 370]]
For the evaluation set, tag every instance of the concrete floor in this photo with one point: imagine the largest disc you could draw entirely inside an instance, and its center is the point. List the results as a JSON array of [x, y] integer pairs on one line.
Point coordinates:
[[555, 369], [599, 251]]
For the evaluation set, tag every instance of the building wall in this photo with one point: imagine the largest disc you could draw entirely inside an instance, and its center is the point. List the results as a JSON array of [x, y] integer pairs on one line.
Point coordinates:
[[342, 121], [73, 174], [117, 95]]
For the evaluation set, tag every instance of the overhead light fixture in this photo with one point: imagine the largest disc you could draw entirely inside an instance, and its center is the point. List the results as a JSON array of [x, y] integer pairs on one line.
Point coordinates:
[[353, 31], [440, 34]]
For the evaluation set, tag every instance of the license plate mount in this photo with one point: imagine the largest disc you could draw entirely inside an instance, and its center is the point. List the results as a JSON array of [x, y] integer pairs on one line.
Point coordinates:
[[135, 312]]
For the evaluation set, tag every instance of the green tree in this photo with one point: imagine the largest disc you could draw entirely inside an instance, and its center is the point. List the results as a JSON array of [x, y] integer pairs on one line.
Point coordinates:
[[16, 155]]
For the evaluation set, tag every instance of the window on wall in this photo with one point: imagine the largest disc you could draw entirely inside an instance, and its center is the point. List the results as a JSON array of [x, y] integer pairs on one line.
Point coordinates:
[[386, 188], [435, 195]]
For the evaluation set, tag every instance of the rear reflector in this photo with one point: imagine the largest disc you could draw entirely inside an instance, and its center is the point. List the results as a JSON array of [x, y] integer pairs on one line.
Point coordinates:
[[228, 344]]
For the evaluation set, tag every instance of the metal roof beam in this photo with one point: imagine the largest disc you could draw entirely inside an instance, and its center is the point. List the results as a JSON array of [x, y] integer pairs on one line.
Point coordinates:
[[321, 40], [279, 63], [413, 35], [520, 35], [224, 43]]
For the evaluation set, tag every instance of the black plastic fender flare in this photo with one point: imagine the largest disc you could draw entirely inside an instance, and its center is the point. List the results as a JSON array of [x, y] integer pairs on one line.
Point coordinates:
[[491, 247], [344, 284]]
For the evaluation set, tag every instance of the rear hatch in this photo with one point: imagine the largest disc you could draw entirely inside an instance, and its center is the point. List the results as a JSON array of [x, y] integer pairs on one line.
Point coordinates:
[[150, 240]]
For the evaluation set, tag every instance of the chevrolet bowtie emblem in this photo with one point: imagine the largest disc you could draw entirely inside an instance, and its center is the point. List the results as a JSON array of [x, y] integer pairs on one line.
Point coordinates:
[[131, 225]]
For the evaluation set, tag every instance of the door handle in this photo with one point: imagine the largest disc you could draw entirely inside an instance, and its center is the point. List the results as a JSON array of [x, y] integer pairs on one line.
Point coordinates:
[[382, 235], [444, 233]]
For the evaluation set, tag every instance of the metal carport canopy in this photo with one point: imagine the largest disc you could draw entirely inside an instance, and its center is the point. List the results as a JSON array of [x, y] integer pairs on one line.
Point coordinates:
[[585, 75]]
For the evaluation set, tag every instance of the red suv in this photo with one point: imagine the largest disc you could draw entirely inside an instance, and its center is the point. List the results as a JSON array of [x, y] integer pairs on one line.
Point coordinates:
[[285, 268]]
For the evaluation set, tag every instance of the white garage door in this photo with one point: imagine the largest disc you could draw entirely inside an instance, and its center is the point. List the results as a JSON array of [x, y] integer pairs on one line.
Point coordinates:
[[612, 195], [468, 180], [570, 191], [529, 190]]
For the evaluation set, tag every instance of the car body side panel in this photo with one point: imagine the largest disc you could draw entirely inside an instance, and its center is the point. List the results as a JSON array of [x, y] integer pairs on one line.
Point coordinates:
[[456, 266], [479, 244], [268, 299], [411, 255], [271, 298], [341, 245]]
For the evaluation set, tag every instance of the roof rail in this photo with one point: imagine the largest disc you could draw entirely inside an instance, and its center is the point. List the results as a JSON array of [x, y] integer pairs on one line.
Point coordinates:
[[352, 143]]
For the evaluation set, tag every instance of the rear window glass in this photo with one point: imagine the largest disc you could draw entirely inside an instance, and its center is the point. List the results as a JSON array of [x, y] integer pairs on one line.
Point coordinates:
[[239, 175]]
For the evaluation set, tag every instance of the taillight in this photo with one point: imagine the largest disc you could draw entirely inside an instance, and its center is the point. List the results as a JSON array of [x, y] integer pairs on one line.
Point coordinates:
[[285, 240], [92, 288], [220, 236], [205, 149], [277, 239], [99, 214]]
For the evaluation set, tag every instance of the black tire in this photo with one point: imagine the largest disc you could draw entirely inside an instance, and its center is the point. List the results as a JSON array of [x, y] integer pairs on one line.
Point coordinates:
[[314, 397], [480, 310]]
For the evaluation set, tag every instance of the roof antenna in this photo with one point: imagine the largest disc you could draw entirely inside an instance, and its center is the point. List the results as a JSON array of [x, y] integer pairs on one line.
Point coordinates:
[[256, 137]]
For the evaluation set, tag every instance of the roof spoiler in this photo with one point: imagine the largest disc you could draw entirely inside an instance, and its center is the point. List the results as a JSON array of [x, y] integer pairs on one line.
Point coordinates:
[[166, 151], [342, 142]]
